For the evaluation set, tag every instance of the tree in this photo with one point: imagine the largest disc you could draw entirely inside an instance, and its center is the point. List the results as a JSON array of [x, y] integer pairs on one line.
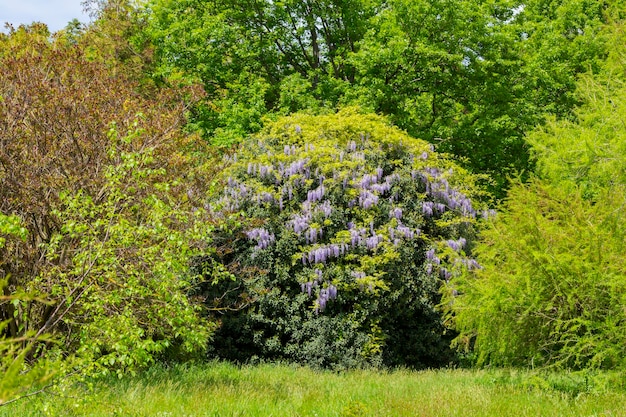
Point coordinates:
[[338, 232], [105, 182], [552, 289], [255, 56], [471, 77]]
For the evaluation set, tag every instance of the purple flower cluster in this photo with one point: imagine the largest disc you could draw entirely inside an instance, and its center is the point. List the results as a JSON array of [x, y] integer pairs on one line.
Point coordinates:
[[395, 213], [263, 238], [487, 214], [316, 194], [357, 236], [299, 223], [445, 274], [367, 199], [456, 245], [313, 234], [259, 169], [358, 274], [234, 195], [308, 286], [432, 257], [321, 254], [297, 167], [372, 187], [471, 264], [324, 295], [432, 260], [430, 208], [404, 231], [325, 208], [290, 150], [438, 188], [373, 241]]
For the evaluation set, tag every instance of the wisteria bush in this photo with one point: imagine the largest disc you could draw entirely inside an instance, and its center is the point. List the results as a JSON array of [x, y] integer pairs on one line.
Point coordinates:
[[338, 233]]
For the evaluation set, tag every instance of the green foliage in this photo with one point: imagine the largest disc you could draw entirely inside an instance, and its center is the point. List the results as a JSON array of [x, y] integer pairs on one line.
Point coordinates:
[[563, 39], [251, 56], [17, 375], [589, 152], [107, 189], [472, 77], [122, 287], [553, 287], [339, 231]]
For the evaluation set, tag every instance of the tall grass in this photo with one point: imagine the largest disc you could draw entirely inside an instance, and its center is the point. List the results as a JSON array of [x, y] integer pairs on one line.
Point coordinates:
[[220, 389]]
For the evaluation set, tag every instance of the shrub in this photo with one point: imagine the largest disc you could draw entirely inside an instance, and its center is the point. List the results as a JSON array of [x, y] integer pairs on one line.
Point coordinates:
[[105, 183], [337, 232], [551, 292]]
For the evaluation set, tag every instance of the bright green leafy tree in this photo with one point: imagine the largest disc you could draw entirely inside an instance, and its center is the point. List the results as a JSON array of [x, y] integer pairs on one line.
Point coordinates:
[[471, 77], [552, 288]]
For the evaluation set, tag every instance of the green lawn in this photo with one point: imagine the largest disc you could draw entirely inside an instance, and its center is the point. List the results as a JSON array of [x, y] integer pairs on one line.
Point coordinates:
[[219, 389]]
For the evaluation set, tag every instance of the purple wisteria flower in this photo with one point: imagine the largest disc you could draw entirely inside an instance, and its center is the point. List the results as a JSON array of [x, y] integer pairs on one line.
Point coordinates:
[[290, 150], [472, 264], [307, 287], [395, 213], [296, 167], [487, 214], [428, 208], [445, 274], [325, 208], [446, 196], [407, 232], [299, 223], [316, 194], [456, 245], [325, 294], [367, 199], [372, 242], [322, 254], [313, 234], [263, 238], [379, 173], [358, 274]]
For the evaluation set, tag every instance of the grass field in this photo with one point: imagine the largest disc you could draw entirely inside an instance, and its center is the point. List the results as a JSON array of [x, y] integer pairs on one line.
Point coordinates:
[[220, 389]]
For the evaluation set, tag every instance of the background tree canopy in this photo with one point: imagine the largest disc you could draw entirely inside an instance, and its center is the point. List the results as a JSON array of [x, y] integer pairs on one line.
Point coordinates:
[[471, 77]]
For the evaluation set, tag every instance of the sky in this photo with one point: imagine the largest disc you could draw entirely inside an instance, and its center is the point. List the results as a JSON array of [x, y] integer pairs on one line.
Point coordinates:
[[54, 13]]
